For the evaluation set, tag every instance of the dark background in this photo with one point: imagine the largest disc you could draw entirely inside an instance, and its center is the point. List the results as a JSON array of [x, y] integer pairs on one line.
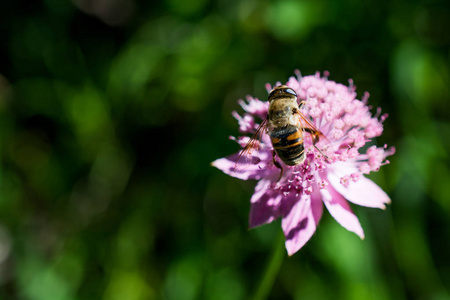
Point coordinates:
[[111, 112]]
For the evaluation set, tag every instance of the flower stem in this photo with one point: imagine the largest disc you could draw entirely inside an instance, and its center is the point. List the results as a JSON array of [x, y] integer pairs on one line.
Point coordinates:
[[272, 269]]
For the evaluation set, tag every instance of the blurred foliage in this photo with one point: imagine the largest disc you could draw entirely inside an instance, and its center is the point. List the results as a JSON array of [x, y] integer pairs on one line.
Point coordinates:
[[111, 111]]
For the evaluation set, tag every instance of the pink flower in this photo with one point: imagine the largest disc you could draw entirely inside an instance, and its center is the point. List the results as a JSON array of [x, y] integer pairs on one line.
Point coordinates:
[[298, 196]]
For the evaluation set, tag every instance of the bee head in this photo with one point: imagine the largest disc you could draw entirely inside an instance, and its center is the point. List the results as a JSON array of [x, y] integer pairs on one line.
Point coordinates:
[[282, 91]]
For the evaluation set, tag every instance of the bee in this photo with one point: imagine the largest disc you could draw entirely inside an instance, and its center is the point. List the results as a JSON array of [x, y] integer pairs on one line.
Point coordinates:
[[285, 125]]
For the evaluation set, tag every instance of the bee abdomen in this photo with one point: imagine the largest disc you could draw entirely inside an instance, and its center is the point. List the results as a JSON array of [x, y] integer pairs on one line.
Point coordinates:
[[288, 143]]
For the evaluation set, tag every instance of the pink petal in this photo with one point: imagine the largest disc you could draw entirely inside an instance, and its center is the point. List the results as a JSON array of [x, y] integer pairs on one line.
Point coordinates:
[[300, 223], [265, 204], [363, 192], [259, 169], [341, 211]]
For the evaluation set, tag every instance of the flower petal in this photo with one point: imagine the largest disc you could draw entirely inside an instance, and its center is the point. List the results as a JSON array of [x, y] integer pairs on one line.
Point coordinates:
[[259, 169], [300, 222], [363, 192], [265, 204], [341, 211]]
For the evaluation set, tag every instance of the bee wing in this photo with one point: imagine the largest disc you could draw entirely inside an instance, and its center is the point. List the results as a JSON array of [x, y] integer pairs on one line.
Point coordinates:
[[245, 156], [308, 126]]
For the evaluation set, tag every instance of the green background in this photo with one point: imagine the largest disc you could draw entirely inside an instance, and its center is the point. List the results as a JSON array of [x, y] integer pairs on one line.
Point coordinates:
[[111, 112]]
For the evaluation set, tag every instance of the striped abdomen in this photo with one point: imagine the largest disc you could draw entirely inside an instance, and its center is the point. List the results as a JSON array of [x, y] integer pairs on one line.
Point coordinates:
[[288, 143]]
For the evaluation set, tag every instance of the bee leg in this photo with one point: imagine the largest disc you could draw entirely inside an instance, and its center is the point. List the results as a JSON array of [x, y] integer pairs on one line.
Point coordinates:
[[277, 164], [321, 152], [315, 139]]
